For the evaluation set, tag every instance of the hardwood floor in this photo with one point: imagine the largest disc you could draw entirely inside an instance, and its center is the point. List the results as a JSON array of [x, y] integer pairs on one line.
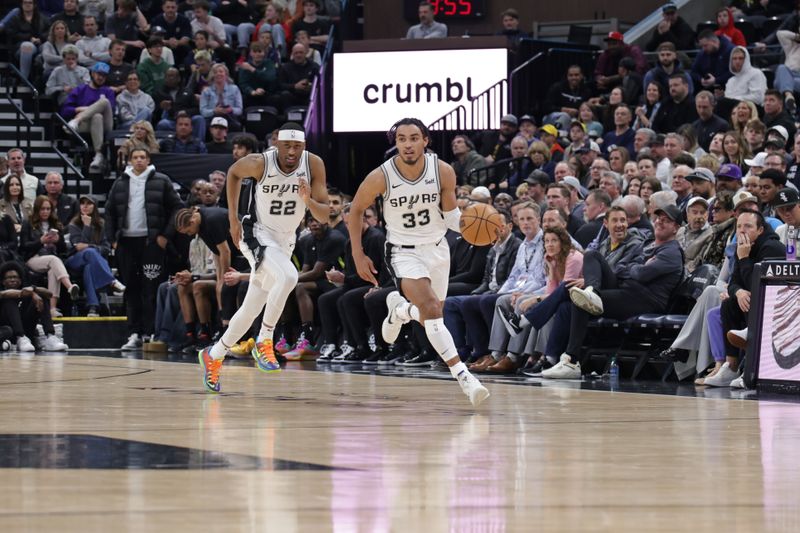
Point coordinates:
[[117, 444]]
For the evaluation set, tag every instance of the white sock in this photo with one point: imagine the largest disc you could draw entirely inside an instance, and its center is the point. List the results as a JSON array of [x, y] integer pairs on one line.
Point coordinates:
[[440, 339], [458, 368], [407, 312], [266, 332], [219, 350]]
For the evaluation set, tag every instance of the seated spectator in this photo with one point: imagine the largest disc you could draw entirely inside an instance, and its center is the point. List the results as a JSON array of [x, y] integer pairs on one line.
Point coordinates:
[[258, 80], [222, 98], [64, 205], [566, 96], [703, 181], [118, 68], [726, 27], [708, 124], [312, 53], [711, 251], [605, 106], [495, 145], [788, 73], [696, 231], [323, 248], [72, 18], [623, 134], [153, 69], [208, 195], [538, 159], [667, 65], [23, 306], [203, 20], [736, 151], [133, 104], [631, 81], [606, 73], [157, 32], [316, 27], [243, 145], [754, 135], [41, 244], [24, 34], [297, 76], [93, 47], [466, 159], [183, 142], [177, 29], [587, 116], [237, 20], [611, 182], [510, 21], [729, 177], [51, 49], [563, 264], [14, 204], [756, 242], [636, 211], [201, 45], [769, 183], [642, 288], [89, 253], [775, 114], [66, 77], [427, 27], [549, 136], [336, 212], [172, 99], [219, 137], [618, 157], [271, 52], [126, 24], [747, 82], [673, 29], [272, 24], [787, 207], [90, 108], [711, 67], [591, 234], [100, 9], [142, 136], [646, 113], [676, 109]]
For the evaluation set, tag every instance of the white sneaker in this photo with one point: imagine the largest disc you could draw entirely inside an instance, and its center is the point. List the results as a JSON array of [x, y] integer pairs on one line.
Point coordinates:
[[392, 324], [472, 388], [134, 343], [564, 369], [723, 378], [24, 344], [325, 352], [738, 383], [98, 162], [738, 337], [54, 344], [74, 124], [117, 287], [587, 300], [74, 292], [344, 350]]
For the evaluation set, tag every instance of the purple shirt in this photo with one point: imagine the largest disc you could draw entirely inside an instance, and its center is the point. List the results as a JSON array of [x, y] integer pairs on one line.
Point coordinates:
[[85, 95]]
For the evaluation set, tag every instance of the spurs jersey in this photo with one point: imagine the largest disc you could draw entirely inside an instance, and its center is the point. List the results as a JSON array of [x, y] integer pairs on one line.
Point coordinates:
[[276, 202], [412, 209]]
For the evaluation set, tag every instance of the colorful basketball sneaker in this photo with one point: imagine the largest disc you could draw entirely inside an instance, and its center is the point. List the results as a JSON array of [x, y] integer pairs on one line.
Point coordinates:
[[303, 350], [264, 354], [211, 368], [283, 346]]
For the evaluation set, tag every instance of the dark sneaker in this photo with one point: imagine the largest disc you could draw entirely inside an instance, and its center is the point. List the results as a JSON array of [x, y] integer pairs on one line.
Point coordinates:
[[439, 366], [424, 358], [674, 354], [535, 371], [354, 358], [374, 358], [510, 321], [392, 355]]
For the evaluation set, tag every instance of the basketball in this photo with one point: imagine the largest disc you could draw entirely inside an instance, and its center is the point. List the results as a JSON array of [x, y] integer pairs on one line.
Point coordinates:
[[479, 223]]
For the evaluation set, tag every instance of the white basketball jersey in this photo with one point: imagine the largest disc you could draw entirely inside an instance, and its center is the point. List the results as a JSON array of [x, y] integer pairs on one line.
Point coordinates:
[[412, 209], [279, 207]]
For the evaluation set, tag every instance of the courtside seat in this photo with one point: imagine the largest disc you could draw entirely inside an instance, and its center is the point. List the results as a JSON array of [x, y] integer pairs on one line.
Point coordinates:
[[647, 320], [675, 321]]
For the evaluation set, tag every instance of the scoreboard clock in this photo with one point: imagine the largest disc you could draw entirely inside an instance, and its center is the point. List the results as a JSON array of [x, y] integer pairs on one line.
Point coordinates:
[[447, 10]]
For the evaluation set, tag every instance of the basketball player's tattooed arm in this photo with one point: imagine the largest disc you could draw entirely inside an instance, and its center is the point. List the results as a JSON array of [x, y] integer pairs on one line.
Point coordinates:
[[316, 196], [374, 185], [248, 166]]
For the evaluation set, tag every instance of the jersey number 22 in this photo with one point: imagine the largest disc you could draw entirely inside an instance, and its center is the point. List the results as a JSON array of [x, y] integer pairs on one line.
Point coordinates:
[[278, 207]]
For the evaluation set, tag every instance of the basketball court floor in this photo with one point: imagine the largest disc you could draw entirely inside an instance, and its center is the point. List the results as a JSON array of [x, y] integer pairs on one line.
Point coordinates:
[[108, 443]]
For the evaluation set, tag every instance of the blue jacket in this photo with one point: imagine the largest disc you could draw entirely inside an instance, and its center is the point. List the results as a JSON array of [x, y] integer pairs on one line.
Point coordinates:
[[717, 64]]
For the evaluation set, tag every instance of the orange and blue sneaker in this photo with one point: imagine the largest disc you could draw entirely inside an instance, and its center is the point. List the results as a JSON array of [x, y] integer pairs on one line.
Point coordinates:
[[211, 368], [264, 354]]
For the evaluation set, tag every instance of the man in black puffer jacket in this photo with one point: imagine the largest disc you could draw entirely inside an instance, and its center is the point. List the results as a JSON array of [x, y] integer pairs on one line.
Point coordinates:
[[139, 207]]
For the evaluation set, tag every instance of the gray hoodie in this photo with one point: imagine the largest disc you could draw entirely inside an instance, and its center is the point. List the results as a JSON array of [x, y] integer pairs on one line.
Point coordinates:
[[62, 76], [129, 104], [747, 84]]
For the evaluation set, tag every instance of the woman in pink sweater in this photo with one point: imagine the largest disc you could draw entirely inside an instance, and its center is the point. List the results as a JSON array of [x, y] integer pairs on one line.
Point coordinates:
[[564, 264]]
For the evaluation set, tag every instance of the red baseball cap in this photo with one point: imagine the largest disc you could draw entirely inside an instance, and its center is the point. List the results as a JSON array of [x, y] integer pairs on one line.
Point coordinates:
[[614, 36]]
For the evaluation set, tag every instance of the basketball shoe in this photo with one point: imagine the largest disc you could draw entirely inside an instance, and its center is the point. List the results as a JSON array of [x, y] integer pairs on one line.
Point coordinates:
[[211, 368], [264, 354]]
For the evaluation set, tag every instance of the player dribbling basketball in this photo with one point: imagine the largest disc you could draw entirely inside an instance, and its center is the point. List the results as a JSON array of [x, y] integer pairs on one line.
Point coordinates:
[[419, 205]]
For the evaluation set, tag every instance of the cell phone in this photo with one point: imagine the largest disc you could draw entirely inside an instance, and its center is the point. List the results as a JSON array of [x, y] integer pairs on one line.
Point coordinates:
[[52, 230]]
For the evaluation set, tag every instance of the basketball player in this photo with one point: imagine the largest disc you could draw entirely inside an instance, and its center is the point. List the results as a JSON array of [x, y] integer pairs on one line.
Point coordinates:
[[290, 179], [419, 205]]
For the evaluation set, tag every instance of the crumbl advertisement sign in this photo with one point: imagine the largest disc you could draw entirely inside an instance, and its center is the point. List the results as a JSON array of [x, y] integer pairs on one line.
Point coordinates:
[[372, 90]]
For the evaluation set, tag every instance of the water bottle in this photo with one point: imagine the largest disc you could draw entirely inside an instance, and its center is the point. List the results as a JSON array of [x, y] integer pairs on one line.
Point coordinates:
[[613, 374], [791, 243]]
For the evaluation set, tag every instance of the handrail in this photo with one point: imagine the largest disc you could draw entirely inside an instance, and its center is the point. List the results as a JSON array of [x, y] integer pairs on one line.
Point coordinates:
[[469, 122], [70, 131], [34, 90]]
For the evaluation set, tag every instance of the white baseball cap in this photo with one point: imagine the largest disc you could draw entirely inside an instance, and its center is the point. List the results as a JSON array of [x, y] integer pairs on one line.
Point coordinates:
[[219, 121]]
